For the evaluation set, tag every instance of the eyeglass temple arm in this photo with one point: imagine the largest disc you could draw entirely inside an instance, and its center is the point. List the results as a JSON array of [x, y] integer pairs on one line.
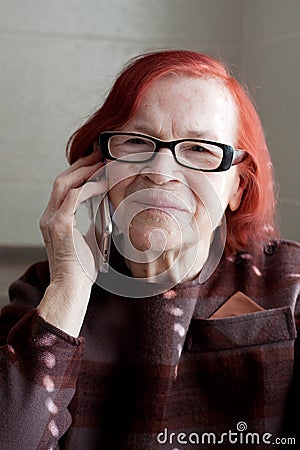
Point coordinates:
[[239, 156]]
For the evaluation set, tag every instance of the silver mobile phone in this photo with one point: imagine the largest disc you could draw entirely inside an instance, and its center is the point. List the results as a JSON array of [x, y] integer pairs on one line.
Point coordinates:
[[103, 229]]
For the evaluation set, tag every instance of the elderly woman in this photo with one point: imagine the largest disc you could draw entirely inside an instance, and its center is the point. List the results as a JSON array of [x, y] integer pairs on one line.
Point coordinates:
[[180, 342]]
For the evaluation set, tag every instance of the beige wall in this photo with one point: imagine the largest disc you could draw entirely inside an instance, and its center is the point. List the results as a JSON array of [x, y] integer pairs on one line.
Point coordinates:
[[271, 66], [58, 58]]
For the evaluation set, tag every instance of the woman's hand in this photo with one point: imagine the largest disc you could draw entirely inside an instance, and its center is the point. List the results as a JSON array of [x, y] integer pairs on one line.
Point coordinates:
[[65, 300]]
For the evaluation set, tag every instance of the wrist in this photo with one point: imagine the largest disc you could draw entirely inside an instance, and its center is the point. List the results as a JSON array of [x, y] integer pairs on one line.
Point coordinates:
[[64, 305]]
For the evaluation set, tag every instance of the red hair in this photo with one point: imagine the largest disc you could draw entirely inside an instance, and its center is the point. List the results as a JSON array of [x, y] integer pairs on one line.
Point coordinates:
[[253, 222]]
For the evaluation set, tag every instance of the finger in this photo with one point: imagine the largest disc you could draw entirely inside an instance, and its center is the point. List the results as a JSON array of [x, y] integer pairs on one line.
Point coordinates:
[[92, 189], [70, 180], [86, 160], [77, 196]]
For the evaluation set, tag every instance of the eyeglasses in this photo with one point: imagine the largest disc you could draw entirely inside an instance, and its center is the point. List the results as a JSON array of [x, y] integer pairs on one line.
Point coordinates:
[[197, 154]]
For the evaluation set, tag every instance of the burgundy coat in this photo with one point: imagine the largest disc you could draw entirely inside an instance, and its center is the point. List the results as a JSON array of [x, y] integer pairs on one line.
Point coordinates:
[[145, 370]]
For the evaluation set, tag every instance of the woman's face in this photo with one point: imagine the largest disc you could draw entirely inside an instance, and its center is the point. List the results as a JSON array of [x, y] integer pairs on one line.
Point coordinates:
[[160, 202]]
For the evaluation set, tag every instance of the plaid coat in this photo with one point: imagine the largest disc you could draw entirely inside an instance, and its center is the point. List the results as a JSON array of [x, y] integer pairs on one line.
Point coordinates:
[[156, 373]]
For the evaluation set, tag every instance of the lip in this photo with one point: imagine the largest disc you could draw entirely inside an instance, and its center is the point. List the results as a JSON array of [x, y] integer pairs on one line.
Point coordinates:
[[161, 203]]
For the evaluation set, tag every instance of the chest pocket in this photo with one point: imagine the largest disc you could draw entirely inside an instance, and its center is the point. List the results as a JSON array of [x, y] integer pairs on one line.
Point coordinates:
[[269, 326], [240, 368]]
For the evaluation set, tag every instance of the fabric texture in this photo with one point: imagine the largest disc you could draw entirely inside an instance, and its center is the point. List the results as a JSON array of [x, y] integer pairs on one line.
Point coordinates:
[[145, 370]]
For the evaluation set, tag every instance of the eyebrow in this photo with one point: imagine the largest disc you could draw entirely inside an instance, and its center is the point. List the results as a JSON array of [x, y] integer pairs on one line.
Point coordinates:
[[194, 134]]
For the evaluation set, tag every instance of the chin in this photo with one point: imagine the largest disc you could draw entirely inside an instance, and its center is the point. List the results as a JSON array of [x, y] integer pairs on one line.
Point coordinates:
[[159, 231], [155, 236]]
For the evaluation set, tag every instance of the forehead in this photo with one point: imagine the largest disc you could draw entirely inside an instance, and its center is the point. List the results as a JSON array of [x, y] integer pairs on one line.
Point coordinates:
[[188, 104]]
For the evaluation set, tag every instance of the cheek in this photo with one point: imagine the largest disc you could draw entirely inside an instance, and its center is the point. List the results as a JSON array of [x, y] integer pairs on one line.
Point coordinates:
[[118, 181], [117, 192], [211, 194]]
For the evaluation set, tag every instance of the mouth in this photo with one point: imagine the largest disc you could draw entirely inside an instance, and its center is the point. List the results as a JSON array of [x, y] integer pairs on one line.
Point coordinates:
[[162, 203], [172, 201]]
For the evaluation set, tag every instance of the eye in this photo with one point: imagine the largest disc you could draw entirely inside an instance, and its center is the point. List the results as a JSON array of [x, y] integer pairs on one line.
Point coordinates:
[[192, 147], [136, 141], [197, 148]]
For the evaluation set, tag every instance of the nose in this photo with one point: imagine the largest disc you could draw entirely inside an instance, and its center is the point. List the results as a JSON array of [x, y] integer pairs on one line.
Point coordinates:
[[162, 169]]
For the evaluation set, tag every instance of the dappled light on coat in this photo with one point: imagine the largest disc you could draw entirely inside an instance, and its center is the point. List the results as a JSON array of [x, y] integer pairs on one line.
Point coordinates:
[[51, 406], [256, 271], [175, 311], [48, 383], [178, 328], [169, 294], [53, 428], [179, 349], [49, 359]]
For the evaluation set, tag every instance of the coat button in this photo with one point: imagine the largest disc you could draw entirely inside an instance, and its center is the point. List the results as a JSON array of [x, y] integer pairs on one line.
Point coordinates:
[[270, 248], [238, 258]]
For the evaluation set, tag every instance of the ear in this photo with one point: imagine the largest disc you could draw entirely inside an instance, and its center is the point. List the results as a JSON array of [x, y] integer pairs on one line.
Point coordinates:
[[236, 197], [96, 147]]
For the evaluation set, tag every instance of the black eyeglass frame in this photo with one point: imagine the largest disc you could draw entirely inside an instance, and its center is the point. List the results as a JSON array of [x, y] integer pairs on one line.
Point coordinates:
[[231, 156]]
